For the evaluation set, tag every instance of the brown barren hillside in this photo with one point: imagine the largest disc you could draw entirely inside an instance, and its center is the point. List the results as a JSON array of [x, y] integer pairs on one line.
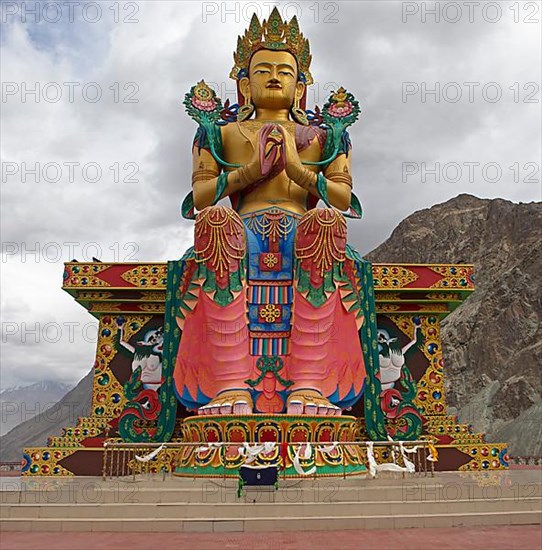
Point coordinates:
[[493, 342]]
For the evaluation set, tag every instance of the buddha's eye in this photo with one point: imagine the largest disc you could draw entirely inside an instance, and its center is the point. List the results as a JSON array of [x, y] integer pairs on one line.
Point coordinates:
[[286, 73]]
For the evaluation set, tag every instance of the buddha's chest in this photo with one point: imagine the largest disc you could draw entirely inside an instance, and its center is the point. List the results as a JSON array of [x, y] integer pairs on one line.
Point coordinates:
[[240, 141]]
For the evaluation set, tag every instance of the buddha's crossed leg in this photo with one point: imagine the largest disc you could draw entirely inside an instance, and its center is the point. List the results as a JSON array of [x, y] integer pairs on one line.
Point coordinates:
[[326, 361], [213, 361]]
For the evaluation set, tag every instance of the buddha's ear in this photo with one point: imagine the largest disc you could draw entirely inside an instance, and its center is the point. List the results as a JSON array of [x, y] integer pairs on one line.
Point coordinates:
[[244, 87], [300, 88], [245, 110]]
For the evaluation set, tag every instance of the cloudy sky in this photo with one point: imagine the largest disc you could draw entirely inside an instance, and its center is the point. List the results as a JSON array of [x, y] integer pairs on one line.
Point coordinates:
[[456, 91]]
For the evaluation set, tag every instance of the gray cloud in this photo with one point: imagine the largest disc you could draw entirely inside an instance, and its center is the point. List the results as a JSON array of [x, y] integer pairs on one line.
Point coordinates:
[[369, 50]]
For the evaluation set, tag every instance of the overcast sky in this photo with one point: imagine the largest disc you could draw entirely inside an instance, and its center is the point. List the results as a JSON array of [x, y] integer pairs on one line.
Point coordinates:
[[482, 63]]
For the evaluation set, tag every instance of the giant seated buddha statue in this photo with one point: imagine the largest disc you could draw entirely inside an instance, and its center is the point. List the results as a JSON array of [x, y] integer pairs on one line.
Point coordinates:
[[275, 312]]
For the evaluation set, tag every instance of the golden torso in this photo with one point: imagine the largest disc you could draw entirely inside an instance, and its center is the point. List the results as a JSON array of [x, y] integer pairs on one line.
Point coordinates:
[[239, 141], [272, 88]]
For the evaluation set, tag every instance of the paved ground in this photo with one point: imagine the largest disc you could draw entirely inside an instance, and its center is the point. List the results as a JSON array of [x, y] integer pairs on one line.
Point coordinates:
[[494, 538]]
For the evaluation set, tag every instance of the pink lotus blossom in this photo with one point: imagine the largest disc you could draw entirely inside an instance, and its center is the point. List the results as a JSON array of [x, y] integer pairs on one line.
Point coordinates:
[[340, 110], [204, 104]]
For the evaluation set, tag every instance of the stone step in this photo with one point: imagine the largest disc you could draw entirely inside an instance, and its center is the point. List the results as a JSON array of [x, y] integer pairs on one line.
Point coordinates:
[[158, 481], [219, 492], [286, 523], [184, 511], [171, 480]]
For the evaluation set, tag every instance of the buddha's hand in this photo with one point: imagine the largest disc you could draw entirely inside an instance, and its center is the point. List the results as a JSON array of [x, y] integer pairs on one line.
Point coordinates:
[[292, 156], [272, 155], [267, 159], [294, 168]]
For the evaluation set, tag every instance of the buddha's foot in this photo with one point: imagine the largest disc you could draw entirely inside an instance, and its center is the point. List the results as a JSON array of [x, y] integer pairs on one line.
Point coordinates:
[[229, 402], [310, 402]]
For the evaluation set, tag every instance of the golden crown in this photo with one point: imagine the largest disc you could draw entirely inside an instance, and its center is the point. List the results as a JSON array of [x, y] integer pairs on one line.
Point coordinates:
[[273, 34]]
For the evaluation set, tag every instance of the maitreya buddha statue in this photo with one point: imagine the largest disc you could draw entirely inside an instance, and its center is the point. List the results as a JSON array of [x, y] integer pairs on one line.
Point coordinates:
[[275, 310]]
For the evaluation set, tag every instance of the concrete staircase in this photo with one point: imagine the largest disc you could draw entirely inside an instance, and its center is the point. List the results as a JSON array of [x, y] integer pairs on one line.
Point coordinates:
[[180, 504]]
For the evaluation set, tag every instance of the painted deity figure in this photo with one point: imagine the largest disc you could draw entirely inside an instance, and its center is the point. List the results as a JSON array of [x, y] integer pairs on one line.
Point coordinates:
[[146, 356], [398, 388], [392, 357], [274, 311]]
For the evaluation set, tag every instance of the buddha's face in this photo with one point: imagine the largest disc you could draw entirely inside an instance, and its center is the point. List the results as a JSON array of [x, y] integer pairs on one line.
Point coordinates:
[[272, 80]]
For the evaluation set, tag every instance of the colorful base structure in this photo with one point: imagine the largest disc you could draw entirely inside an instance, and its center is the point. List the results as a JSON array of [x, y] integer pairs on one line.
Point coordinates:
[[321, 457], [128, 299]]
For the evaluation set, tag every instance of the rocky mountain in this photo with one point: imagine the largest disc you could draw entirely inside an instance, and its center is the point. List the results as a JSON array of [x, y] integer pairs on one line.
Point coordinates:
[[493, 342], [34, 431], [24, 402]]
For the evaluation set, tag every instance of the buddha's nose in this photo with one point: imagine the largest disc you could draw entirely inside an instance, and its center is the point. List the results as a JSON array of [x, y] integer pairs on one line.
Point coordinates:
[[274, 72]]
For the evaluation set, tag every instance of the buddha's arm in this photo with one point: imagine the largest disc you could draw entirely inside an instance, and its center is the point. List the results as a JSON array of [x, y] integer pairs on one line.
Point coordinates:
[[338, 179], [205, 172], [338, 175]]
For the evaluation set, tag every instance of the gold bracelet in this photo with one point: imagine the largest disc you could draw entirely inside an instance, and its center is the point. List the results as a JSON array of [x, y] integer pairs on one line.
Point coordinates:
[[340, 177], [307, 179], [203, 175]]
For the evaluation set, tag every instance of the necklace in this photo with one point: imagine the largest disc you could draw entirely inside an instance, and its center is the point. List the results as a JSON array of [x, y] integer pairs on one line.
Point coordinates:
[[262, 121], [253, 126]]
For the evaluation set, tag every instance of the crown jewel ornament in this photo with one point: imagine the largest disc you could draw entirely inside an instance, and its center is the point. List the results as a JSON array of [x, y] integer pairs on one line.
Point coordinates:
[[273, 34]]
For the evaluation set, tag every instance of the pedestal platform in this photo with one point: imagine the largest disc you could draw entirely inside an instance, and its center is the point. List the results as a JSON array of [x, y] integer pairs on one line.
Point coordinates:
[[320, 455], [411, 300]]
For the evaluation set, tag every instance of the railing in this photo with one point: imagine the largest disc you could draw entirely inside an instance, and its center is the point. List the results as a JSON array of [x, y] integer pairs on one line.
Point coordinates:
[[10, 466], [122, 459], [526, 460]]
